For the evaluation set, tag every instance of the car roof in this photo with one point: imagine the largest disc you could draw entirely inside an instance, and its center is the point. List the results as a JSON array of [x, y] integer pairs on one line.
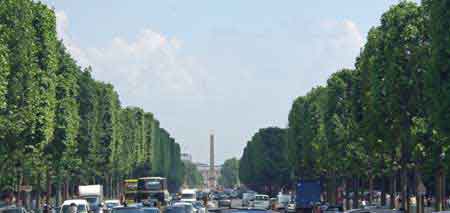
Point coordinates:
[[182, 203], [76, 201], [127, 207], [191, 191], [112, 201]]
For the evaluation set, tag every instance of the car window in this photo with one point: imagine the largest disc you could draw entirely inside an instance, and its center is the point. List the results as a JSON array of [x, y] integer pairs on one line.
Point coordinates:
[[177, 209], [128, 210], [80, 209], [111, 205]]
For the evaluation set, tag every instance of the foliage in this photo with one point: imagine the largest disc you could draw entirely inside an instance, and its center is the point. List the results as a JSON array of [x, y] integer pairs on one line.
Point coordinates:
[[264, 165], [229, 174], [193, 177], [55, 117]]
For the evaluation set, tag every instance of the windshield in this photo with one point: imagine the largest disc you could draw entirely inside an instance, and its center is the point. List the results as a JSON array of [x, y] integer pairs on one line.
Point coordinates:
[[177, 209], [111, 205], [261, 198], [151, 210], [128, 210], [187, 196], [91, 200]]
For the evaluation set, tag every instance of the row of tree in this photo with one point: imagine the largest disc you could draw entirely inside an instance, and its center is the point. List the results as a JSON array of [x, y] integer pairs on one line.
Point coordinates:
[[264, 164], [229, 173], [59, 127], [384, 122], [193, 177]]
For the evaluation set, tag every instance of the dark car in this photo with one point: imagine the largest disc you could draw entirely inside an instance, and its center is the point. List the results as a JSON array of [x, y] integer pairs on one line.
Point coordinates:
[[150, 210], [176, 209], [224, 203], [128, 209], [14, 210], [334, 209]]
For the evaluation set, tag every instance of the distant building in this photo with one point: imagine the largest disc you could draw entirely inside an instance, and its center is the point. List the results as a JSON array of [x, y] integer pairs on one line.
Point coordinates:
[[186, 157]]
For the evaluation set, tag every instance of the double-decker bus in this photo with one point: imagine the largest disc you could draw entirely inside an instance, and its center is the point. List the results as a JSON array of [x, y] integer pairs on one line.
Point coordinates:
[[153, 188], [130, 191]]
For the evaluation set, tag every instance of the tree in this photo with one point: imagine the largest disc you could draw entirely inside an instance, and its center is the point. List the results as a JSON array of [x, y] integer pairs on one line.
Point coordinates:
[[438, 85], [193, 177], [229, 173], [266, 158]]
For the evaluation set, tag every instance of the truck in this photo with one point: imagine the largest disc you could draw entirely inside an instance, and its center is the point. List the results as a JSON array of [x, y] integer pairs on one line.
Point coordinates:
[[153, 188], [307, 195], [130, 191], [93, 194]]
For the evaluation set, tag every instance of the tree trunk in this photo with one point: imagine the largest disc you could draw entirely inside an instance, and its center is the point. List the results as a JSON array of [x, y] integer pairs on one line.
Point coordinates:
[[19, 192], [419, 195], [38, 191], [443, 197], [439, 193], [383, 191], [370, 188], [49, 187], [58, 191], [333, 189], [404, 191], [347, 192], [356, 192], [393, 190]]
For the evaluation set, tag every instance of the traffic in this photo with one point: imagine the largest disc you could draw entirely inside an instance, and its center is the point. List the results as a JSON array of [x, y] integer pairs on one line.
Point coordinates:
[[151, 195]]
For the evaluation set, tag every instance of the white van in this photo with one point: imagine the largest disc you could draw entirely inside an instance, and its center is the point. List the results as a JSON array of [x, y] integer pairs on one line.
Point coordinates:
[[188, 195], [261, 202], [82, 206]]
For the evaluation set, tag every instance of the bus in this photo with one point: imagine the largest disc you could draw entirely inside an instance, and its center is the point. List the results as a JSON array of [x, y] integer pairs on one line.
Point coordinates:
[[153, 188], [130, 191]]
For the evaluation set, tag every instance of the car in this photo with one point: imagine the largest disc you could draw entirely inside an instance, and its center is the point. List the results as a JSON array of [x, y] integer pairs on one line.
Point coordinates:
[[334, 209], [189, 208], [291, 207], [150, 210], [248, 210], [175, 209], [13, 209], [224, 203], [199, 206], [82, 206], [110, 204], [127, 209], [188, 195], [136, 205], [261, 201]]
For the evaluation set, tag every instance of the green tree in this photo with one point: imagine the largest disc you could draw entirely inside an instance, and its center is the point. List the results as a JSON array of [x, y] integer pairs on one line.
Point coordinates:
[[229, 173], [193, 177], [266, 156], [438, 85]]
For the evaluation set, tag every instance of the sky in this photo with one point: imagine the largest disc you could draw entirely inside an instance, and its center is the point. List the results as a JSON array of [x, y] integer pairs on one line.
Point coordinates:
[[231, 67]]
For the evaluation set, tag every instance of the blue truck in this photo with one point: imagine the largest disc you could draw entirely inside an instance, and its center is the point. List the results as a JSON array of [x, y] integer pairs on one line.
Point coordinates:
[[308, 194]]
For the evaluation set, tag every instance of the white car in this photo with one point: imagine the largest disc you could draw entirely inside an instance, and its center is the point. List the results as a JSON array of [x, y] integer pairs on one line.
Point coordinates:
[[188, 195], [291, 207], [261, 202], [81, 205]]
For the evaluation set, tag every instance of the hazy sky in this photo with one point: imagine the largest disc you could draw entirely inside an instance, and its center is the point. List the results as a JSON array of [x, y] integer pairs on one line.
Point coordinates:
[[232, 66]]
